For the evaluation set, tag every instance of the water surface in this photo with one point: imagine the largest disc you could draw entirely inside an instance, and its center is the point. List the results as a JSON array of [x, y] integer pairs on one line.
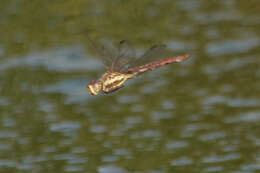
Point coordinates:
[[201, 115]]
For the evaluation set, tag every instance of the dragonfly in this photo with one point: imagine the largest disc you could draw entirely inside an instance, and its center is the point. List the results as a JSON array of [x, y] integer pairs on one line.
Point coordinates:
[[122, 64]]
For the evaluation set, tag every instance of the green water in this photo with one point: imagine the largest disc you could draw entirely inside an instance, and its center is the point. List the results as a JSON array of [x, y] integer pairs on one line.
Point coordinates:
[[198, 116]]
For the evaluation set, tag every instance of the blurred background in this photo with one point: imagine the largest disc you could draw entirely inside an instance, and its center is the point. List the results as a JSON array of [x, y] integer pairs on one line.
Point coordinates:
[[201, 115]]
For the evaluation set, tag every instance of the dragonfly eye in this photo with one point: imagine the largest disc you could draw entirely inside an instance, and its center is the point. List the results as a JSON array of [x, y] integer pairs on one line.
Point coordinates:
[[94, 87]]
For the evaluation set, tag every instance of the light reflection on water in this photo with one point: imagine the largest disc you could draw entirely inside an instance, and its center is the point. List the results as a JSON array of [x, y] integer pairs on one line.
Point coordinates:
[[111, 169], [70, 58], [232, 46]]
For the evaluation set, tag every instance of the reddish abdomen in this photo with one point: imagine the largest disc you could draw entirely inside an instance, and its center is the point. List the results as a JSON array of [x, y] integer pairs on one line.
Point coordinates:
[[156, 64]]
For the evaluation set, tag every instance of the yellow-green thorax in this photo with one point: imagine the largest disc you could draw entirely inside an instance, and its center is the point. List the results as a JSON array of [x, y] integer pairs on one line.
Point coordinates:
[[114, 80]]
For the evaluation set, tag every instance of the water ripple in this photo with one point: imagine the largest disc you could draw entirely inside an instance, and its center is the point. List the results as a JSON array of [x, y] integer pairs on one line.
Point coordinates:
[[65, 126], [182, 161], [216, 158], [244, 117], [176, 144], [212, 136], [69, 58], [231, 46], [111, 169]]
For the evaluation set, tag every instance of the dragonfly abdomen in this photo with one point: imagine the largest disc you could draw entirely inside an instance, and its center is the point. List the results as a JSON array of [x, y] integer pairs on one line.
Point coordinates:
[[156, 64]]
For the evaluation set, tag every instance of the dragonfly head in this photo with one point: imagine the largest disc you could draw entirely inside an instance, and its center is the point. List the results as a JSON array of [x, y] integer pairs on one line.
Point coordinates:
[[94, 87]]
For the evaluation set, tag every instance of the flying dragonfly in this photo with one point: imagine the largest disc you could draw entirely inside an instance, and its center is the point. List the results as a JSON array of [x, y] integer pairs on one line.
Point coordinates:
[[121, 64]]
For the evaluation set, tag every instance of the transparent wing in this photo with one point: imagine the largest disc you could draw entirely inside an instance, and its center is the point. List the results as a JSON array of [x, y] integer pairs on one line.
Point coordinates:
[[114, 57], [123, 56], [105, 53], [126, 53], [151, 54], [154, 51]]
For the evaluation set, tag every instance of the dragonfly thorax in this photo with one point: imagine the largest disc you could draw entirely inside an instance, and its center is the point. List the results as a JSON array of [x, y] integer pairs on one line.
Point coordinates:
[[114, 80], [109, 82]]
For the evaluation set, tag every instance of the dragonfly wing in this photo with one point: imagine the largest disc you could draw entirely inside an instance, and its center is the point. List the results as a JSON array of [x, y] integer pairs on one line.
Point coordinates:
[[151, 53], [123, 57], [126, 53], [105, 53], [148, 56], [154, 50]]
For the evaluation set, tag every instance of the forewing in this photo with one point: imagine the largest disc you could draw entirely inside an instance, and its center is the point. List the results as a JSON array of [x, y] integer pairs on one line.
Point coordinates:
[[126, 53], [105, 53]]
